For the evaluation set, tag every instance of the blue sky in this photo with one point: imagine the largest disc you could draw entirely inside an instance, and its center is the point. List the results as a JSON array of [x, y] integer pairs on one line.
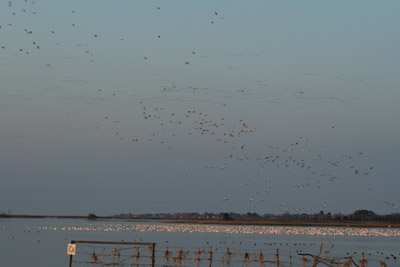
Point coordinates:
[[297, 84]]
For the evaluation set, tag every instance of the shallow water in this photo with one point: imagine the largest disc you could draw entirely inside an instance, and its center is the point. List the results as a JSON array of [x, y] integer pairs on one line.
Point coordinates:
[[43, 242]]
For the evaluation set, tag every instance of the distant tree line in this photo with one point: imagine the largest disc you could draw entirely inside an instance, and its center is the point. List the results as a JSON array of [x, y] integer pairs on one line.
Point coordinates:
[[359, 215]]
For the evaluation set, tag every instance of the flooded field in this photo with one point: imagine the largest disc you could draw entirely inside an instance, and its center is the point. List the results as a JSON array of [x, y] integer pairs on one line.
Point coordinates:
[[43, 242]]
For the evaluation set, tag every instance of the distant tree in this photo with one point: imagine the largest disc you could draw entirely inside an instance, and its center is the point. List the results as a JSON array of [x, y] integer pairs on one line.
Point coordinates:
[[328, 216], [225, 216], [338, 217], [253, 215], [363, 215], [320, 216], [92, 216]]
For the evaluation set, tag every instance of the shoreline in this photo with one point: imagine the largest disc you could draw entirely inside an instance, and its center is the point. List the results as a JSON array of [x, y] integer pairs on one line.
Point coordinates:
[[363, 224]]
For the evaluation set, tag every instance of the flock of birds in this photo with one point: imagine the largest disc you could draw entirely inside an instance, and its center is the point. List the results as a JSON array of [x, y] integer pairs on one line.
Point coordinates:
[[25, 10], [307, 169]]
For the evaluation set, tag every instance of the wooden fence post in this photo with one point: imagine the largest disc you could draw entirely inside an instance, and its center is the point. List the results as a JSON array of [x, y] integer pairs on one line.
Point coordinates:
[[211, 256], [153, 256], [277, 257]]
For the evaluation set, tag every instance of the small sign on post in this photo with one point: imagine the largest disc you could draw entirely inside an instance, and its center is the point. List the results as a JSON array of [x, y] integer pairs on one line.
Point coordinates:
[[71, 249]]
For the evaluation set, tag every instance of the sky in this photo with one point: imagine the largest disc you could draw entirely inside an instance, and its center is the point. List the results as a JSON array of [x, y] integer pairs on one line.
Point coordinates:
[[112, 107]]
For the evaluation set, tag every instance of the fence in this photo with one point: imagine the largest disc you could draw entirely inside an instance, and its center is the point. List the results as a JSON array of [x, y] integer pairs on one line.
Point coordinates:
[[96, 253], [102, 253]]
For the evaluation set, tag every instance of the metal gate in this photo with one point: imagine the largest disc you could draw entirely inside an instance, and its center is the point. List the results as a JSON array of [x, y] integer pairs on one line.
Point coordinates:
[[103, 253]]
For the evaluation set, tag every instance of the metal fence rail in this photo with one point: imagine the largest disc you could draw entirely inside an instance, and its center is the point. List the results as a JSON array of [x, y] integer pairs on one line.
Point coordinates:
[[106, 253]]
